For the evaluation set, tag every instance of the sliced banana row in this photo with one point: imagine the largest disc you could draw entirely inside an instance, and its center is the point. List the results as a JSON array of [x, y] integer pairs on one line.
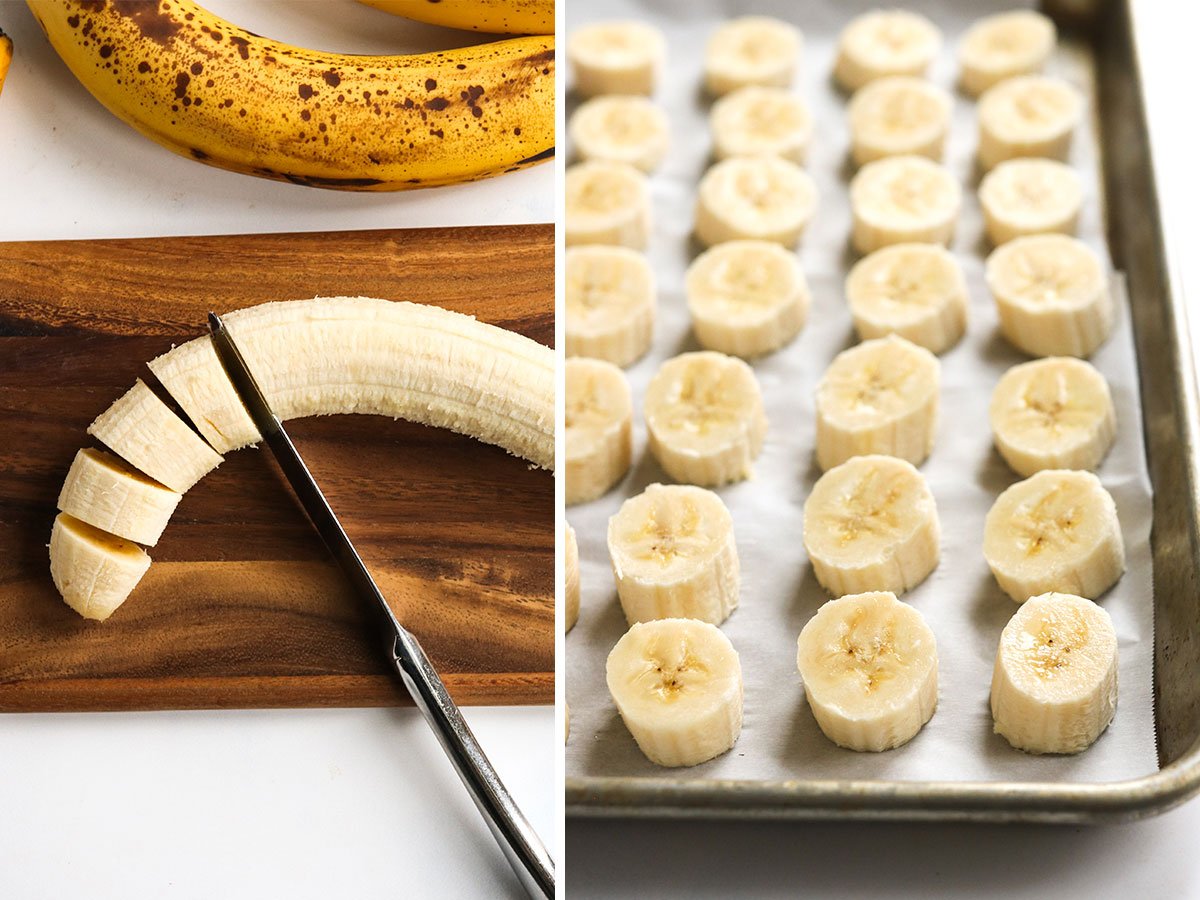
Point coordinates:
[[599, 426], [620, 129], [751, 51], [616, 58], [606, 203], [610, 304], [754, 198]]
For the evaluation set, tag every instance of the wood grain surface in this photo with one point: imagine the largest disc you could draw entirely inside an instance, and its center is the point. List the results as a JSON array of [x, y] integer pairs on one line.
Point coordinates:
[[242, 606]]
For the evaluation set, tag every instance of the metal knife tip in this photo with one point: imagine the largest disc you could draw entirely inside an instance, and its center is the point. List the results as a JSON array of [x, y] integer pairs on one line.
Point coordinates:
[[214, 323]]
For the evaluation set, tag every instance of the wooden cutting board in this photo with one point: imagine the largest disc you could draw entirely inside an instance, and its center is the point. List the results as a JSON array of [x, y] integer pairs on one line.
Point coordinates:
[[242, 606]]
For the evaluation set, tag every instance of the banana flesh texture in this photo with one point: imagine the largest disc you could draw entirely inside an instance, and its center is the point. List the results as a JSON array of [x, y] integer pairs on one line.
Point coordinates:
[[1030, 196], [211, 91], [616, 58], [489, 16], [761, 121], [571, 570], [677, 684], [751, 51], [606, 203], [754, 198], [898, 116], [611, 303], [882, 43], [630, 130], [109, 494], [1031, 115], [1004, 46], [903, 200], [599, 425], [92, 569]]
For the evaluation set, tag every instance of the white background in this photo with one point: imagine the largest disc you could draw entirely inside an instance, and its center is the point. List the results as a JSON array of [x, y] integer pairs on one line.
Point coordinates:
[[250, 804]]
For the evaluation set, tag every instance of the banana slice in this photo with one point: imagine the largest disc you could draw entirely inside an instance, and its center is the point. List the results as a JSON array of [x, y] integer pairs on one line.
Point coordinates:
[[754, 198], [761, 121], [606, 203], [898, 116], [752, 50], [882, 43], [610, 303], [1055, 531], [1052, 295], [917, 291], [870, 670], [1031, 115], [92, 569], [1054, 413], [677, 684], [630, 130], [106, 493], [599, 420], [870, 524], [880, 397], [1030, 196], [903, 200], [747, 298], [1004, 46], [1054, 688], [571, 576], [674, 556], [705, 418], [616, 58]]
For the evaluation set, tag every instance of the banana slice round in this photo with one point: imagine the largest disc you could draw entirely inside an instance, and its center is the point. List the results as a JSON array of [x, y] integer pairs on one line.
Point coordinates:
[[105, 492], [1052, 295], [677, 684], [599, 420], [917, 291], [1055, 531], [93, 570], [903, 200], [752, 50], [674, 556], [1054, 687], [747, 298], [1054, 413], [571, 575], [882, 43], [1030, 196], [1004, 46], [630, 130], [761, 121], [871, 524], [754, 198], [880, 397], [705, 418], [869, 664], [898, 116], [610, 303], [606, 203], [616, 58], [1031, 115]]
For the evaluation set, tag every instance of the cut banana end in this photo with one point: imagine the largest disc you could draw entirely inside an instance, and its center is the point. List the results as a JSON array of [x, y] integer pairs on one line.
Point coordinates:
[[629, 130], [1051, 294], [571, 576], [1054, 687], [880, 397], [882, 43], [705, 418], [610, 303], [916, 291], [899, 116], [1055, 531], [607, 203], [599, 420], [870, 670], [1030, 196], [615, 58], [903, 200], [761, 121], [1003, 46], [747, 298], [870, 524], [754, 198], [752, 50], [1054, 413], [674, 556], [92, 569], [106, 493], [677, 684], [1032, 115]]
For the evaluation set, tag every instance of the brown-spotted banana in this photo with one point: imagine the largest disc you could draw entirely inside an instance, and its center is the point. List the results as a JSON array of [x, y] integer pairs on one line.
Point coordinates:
[[489, 16], [1004, 46], [882, 43], [6, 55], [599, 420]]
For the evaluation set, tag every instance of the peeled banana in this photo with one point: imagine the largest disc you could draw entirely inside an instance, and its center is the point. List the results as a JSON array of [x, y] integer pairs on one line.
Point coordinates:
[[762, 198], [1004, 46], [882, 43], [1030, 196], [616, 58], [761, 121], [898, 116], [490, 16], [606, 203], [599, 427], [111, 495], [903, 200], [620, 129], [751, 50], [92, 569], [611, 301], [1030, 115]]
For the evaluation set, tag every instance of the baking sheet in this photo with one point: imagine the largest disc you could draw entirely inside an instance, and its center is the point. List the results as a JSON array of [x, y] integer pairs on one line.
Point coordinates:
[[961, 601]]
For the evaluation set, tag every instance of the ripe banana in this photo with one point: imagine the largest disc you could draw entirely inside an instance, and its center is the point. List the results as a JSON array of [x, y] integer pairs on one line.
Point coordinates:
[[1030, 196], [630, 130], [677, 684], [898, 116], [882, 43], [869, 664], [211, 91], [599, 420], [108, 494], [616, 58], [610, 303], [93, 570], [571, 576], [6, 54], [754, 198], [490, 16], [1003, 46], [751, 50], [903, 200], [673, 555], [606, 203], [761, 121], [1031, 115]]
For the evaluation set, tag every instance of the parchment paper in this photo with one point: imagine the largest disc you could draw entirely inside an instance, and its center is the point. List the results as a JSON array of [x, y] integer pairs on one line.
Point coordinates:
[[961, 601]]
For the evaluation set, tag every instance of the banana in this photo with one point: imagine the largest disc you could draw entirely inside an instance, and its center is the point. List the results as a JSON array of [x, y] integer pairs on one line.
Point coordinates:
[[761, 121], [6, 54], [870, 670], [1055, 531], [1054, 413], [882, 43], [616, 58], [903, 200], [610, 303], [606, 203], [677, 684], [1054, 687], [1030, 196], [898, 116], [629, 130], [751, 50], [880, 397], [106, 493], [705, 418], [490, 16], [917, 291], [1030, 115], [754, 198], [871, 524], [674, 556], [571, 576], [211, 91], [1003, 46], [1052, 295], [93, 570], [599, 420], [747, 298]]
